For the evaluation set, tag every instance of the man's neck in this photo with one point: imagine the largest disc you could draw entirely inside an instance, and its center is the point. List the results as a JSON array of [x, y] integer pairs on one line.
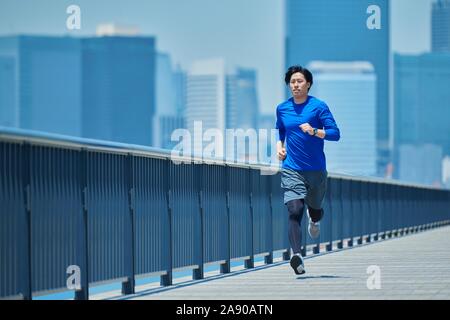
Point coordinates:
[[300, 100]]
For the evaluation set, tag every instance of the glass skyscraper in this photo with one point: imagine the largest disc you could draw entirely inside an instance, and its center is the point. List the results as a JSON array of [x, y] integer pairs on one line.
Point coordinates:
[[422, 101], [242, 109], [40, 83], [8, 106], [205, 100], [119, 88], [349, 89], [338, 31], [440, 26], [242, 99], [169, 113]]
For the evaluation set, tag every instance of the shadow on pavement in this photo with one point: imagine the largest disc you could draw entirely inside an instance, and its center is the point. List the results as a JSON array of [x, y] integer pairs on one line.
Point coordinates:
[[320, 277]]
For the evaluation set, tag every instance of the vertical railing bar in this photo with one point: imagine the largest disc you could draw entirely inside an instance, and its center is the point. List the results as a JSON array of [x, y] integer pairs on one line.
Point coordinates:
[[250, 263], [128, 287], [83, 294], [167, 279], [226, 267], [269, 259], [198, 273], [26, 176]]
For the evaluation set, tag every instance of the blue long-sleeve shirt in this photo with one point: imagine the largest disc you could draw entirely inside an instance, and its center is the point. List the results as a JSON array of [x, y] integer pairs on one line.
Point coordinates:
[[303, 151]]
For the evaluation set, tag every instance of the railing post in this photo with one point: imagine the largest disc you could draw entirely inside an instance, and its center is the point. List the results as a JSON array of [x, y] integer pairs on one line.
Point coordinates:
[[376, 211], [352, 213], [226, 267], [250, 263], [26, 284], [199, 273], [394, 211], [422, 208], [417, 199], [419, 210], [269, 259], [382, 212], [373, 213], [369, 189], [329, 244], [83, 294], [128, 286], [287, 252], [329, 214], [391, 210], [316, 248], [340, 243], [402, 209], [420, 197], [387, 212], [408, 212], [167, 279], [360, 231]]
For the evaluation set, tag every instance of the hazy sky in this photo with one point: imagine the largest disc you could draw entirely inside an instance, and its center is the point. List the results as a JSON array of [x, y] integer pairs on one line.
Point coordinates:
[[247, 33]]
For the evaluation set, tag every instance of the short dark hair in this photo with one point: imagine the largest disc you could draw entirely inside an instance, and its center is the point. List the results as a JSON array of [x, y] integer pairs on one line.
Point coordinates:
[[294, 69]]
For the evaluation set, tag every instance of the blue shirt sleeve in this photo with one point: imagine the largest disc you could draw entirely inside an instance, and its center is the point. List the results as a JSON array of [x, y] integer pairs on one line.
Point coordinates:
[[281, 129], [332, 132]]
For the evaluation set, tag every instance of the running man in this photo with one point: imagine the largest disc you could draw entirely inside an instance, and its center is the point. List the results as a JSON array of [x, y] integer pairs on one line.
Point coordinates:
[[304, 122]]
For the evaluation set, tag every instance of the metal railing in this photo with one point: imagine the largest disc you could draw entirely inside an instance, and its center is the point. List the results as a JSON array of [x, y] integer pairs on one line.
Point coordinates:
[[118, 212]]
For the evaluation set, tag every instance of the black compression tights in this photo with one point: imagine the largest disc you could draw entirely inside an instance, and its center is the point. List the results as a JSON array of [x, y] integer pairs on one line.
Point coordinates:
[[296, 209]]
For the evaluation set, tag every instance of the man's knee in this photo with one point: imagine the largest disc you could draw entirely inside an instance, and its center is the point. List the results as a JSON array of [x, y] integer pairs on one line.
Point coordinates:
[[295, 208], [315, 214]]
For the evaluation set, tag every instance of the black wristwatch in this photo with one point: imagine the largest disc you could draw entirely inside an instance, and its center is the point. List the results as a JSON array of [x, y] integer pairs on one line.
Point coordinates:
[[315, 131]]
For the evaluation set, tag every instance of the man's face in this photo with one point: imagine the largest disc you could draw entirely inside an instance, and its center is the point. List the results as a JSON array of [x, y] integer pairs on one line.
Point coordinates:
[[298, 85]]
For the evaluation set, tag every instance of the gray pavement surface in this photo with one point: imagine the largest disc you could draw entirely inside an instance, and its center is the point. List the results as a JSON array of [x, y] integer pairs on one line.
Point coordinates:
[[415, 266]]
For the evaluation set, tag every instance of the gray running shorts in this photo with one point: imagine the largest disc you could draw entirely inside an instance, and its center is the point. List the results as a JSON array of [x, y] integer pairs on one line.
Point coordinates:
[[308, 185]]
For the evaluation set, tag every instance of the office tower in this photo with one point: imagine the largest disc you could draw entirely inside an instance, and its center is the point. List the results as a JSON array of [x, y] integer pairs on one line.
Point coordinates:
[[206, 94], [349, 90], [440, 26], [242, 109], [8, 107], [40, 83], [205, 100], [422, 102], [342, 31], [119, 88], [169, 102], [242, 99], [180, 76]]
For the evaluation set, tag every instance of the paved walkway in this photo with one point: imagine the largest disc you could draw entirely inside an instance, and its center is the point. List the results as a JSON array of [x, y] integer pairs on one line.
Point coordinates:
[[415, 266]]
